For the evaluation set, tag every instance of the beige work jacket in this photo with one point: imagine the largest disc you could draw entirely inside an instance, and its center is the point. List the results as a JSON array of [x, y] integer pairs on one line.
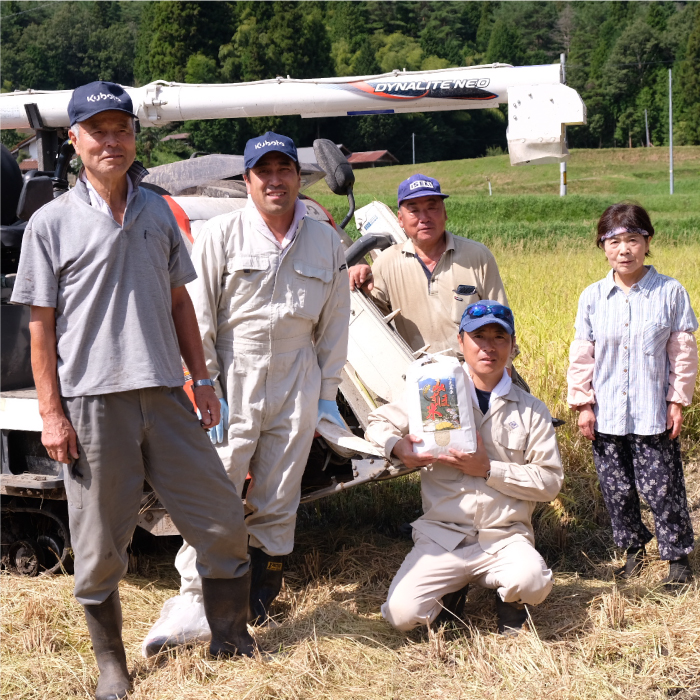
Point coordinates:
[[525, 468], [250, 290], [431, 311]]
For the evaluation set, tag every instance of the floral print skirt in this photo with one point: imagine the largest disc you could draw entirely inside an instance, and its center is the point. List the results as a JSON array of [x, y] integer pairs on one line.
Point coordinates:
[[649, 466]]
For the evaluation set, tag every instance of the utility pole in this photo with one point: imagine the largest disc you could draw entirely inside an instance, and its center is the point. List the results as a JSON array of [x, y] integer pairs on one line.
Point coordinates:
[[670, 125], [646, 126], [562, 165], [413, 137]]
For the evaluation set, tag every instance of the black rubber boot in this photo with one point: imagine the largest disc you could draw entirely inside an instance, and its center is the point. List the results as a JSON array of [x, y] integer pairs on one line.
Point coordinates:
[[226, 607], [452, 612], [266, 583], [104, 622], [636, 559], [679, 574], [511, 617]]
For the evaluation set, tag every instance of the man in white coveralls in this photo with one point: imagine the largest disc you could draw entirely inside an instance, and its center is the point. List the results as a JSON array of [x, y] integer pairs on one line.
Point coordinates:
[[273, 305], [476, 525]]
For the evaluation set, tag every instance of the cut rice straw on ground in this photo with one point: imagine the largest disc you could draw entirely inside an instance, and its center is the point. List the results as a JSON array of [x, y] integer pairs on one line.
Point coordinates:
[[590, 639]]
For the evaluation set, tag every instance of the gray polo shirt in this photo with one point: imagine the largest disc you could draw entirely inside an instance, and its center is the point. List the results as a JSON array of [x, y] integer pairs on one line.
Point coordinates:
[[110, 286]]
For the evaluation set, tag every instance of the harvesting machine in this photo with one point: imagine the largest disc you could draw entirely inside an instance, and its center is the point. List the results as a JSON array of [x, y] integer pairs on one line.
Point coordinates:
[[35, 537]]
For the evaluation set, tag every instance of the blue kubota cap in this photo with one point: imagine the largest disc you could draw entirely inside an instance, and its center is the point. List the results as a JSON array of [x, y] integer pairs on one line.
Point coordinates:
[[93, 98], [481, 313], [256, 148], [419, 186]]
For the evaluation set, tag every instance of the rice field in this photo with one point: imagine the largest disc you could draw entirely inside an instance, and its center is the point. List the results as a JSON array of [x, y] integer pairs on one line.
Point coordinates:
[[592, 638]]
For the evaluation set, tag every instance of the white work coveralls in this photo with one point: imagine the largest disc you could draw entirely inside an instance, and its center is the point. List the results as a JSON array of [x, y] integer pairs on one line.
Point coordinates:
[[274, 325], [474, 529]]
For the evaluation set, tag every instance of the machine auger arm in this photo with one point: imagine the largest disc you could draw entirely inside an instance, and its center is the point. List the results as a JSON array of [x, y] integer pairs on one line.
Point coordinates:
[[539, 104]]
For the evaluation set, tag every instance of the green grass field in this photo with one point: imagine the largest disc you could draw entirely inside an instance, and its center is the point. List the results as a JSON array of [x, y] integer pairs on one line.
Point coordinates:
[[592, 639], [525, 206], [617, 172]]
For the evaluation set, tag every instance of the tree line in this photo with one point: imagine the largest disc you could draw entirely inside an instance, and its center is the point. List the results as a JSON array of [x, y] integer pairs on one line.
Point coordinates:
[[618, 55]]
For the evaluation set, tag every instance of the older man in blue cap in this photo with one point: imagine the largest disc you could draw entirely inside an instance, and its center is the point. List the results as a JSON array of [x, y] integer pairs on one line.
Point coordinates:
[[273, 308], [432, 277], [104, 271]]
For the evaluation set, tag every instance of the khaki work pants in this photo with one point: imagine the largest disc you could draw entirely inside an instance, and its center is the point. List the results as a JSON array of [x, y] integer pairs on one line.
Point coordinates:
[[152, 434], [273, 412], [429, 572]]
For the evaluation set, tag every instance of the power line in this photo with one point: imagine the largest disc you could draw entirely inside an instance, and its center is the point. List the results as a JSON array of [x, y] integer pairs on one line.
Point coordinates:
[[24, 12], [636, 63]]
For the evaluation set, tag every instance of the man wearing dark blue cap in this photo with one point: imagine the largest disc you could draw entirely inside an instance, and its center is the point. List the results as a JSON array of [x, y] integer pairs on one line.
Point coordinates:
[[433, 276], [273, 307], [104, 272], [476, 525]]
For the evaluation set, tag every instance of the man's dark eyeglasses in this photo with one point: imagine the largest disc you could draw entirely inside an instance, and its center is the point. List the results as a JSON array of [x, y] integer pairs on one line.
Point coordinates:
[[497, 310]]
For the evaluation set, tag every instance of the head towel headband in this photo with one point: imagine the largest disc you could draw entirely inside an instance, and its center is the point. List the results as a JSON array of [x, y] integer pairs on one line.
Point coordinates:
[[623, 229]]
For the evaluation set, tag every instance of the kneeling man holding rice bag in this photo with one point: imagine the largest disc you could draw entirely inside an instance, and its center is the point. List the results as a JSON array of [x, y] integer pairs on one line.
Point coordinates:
[[477, 505]]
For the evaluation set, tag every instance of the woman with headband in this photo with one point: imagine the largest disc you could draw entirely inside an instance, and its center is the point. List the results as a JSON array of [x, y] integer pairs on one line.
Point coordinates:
[[632, 368]]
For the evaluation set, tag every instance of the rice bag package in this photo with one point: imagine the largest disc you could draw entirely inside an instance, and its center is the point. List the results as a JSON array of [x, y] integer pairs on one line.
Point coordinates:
[[439, 405]]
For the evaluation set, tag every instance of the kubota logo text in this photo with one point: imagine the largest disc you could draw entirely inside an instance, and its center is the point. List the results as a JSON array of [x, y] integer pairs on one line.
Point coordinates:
[[102, 96], [269, 143]]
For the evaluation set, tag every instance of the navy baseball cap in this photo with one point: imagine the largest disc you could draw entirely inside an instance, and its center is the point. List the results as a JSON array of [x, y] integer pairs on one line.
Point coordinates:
[[419, 186], [256, 148], [93, 98], [481, 313]]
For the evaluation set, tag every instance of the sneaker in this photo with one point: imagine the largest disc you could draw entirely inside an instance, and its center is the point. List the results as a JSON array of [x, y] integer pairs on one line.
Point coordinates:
[[636, 560], [679, 574]]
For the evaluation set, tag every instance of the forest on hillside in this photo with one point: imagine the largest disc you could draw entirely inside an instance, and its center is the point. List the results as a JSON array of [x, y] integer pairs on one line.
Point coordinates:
[[618, 55]]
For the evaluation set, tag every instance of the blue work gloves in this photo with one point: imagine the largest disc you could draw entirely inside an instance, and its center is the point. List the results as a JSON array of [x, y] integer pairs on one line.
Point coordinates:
[[216, 435], [329, 411]]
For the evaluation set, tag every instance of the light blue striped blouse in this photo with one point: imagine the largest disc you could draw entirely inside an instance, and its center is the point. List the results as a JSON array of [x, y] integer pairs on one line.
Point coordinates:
[[630, 332]]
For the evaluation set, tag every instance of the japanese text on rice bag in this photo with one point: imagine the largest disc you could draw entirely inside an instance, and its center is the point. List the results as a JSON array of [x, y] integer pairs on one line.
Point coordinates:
[[439, 406]]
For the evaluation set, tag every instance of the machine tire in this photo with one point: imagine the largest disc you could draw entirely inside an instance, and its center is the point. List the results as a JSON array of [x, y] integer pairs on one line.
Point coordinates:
[[25, 558], [43, 548]]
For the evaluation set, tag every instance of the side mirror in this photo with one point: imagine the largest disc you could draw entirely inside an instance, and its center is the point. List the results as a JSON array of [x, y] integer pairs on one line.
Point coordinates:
[[339, 174], [36, 192]]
